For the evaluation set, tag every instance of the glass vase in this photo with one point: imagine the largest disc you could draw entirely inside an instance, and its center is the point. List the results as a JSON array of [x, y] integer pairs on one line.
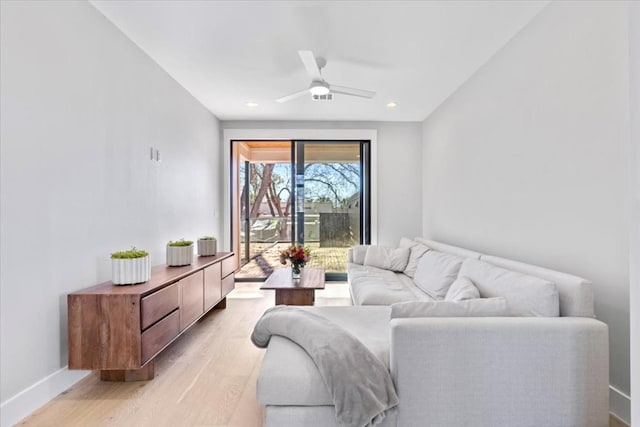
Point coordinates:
[[295, 271]]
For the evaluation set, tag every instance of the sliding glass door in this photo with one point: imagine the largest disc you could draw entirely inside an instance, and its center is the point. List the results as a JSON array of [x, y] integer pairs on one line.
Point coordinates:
[[316, 193]]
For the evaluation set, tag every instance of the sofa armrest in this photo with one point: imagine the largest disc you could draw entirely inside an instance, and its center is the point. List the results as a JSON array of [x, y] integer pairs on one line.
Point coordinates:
[[350, 256], [509, 371]]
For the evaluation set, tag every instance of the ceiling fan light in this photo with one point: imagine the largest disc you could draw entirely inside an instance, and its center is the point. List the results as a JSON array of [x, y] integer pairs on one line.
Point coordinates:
[[319, 88]]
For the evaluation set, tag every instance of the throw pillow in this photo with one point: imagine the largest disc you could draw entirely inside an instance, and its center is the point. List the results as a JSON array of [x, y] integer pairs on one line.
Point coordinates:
[[462, 289], [417, 250], [436, 272], [481, 307], [357, 254], [393, 259], [526, 295]]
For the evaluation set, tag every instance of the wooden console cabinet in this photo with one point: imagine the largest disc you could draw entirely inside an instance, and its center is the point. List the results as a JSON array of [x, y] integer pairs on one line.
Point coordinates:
[[120, 329]]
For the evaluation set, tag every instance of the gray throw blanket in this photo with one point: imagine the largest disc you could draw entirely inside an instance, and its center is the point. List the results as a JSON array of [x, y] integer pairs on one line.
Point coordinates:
[[358, 382]]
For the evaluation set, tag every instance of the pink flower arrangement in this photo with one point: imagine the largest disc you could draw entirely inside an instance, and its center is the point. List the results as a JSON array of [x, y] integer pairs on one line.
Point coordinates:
[[297, 255]]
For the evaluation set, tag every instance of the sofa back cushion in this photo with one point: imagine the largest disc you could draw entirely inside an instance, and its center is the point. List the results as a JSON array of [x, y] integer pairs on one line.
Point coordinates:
[[462, 289], [481, 307], [576, 293], [436, 272], [357, 253], [448, 249], [393, 259], [417, 250], [526, 295]]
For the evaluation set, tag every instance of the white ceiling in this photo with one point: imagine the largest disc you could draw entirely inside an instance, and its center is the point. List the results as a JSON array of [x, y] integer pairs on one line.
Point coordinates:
[[226, 53]]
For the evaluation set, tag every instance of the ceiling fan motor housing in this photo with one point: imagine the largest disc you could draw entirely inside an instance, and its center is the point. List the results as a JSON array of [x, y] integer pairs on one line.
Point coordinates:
[[325, 97]]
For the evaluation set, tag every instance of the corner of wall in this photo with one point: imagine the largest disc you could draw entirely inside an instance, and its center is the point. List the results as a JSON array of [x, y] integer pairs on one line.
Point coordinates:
[[620, 404]]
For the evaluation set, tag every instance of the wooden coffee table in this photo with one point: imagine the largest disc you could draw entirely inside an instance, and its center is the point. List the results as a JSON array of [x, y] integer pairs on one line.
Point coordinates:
[[295, 291]]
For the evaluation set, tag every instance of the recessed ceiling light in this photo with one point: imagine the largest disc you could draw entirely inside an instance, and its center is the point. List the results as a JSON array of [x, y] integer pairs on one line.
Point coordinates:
[[251, 104], [391, 104]]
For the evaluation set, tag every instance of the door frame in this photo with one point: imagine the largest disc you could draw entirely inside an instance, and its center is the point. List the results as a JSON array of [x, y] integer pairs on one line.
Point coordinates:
[[230, 135]]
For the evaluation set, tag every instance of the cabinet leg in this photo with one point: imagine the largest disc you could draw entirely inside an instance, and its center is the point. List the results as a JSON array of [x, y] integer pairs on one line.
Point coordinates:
[[222, 304], [125, 375]]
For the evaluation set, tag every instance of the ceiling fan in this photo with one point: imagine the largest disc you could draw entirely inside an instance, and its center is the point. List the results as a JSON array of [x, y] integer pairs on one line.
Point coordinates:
[[319, 88]]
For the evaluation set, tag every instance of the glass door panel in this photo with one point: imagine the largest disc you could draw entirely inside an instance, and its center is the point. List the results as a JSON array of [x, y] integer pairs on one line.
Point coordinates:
[[331, 204], [264, 207]]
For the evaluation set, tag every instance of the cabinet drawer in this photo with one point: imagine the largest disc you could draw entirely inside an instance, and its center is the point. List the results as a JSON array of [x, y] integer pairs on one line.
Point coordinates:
[[212, 285], [228, 266], [228, 283], [192, 298], [159, 335], [157, 305]]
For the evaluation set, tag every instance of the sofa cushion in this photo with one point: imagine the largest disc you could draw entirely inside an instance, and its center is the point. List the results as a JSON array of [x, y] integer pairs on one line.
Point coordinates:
[[357, 253], [387, 258], [448, 249], [417, 250], [576, 293], [375, 286], [289, 377], [436, 272], [481, 307], [526, 295], [462, 289], [406, 242]]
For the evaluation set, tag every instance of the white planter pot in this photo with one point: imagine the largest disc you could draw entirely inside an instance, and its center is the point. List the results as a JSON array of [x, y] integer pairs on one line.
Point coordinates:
[[179, 255], [130, 270], [207, 247]]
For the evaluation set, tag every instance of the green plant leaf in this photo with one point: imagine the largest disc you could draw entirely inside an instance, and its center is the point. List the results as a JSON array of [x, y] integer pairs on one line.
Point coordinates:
[[130, 254]]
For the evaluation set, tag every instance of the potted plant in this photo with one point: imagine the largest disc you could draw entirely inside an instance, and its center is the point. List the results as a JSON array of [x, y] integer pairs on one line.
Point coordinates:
[[207, 246], [130, 267], [179, 252]]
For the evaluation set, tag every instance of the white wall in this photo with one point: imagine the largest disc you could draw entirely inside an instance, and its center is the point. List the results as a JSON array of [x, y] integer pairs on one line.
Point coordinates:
[[398, 163], [634, 289], [81, 106], [529, 159]]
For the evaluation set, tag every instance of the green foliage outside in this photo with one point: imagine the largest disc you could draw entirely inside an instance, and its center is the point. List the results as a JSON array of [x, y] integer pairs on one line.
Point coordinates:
[[130, 254], [180, 242]]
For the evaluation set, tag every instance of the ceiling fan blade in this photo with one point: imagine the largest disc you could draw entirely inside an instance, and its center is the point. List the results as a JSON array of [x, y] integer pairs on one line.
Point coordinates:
[[352, 91], [310, 64], [292, 96]]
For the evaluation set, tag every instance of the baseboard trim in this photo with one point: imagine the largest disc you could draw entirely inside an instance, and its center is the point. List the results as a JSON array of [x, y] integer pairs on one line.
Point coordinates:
[[616, 422], [28, 400], [620, 405]]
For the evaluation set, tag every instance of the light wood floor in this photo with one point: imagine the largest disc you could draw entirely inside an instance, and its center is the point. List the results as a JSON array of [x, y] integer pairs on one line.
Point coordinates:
[[206, 378]]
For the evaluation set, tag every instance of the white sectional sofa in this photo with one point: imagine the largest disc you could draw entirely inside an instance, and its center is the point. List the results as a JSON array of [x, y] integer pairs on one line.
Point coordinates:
[[541, 359]]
